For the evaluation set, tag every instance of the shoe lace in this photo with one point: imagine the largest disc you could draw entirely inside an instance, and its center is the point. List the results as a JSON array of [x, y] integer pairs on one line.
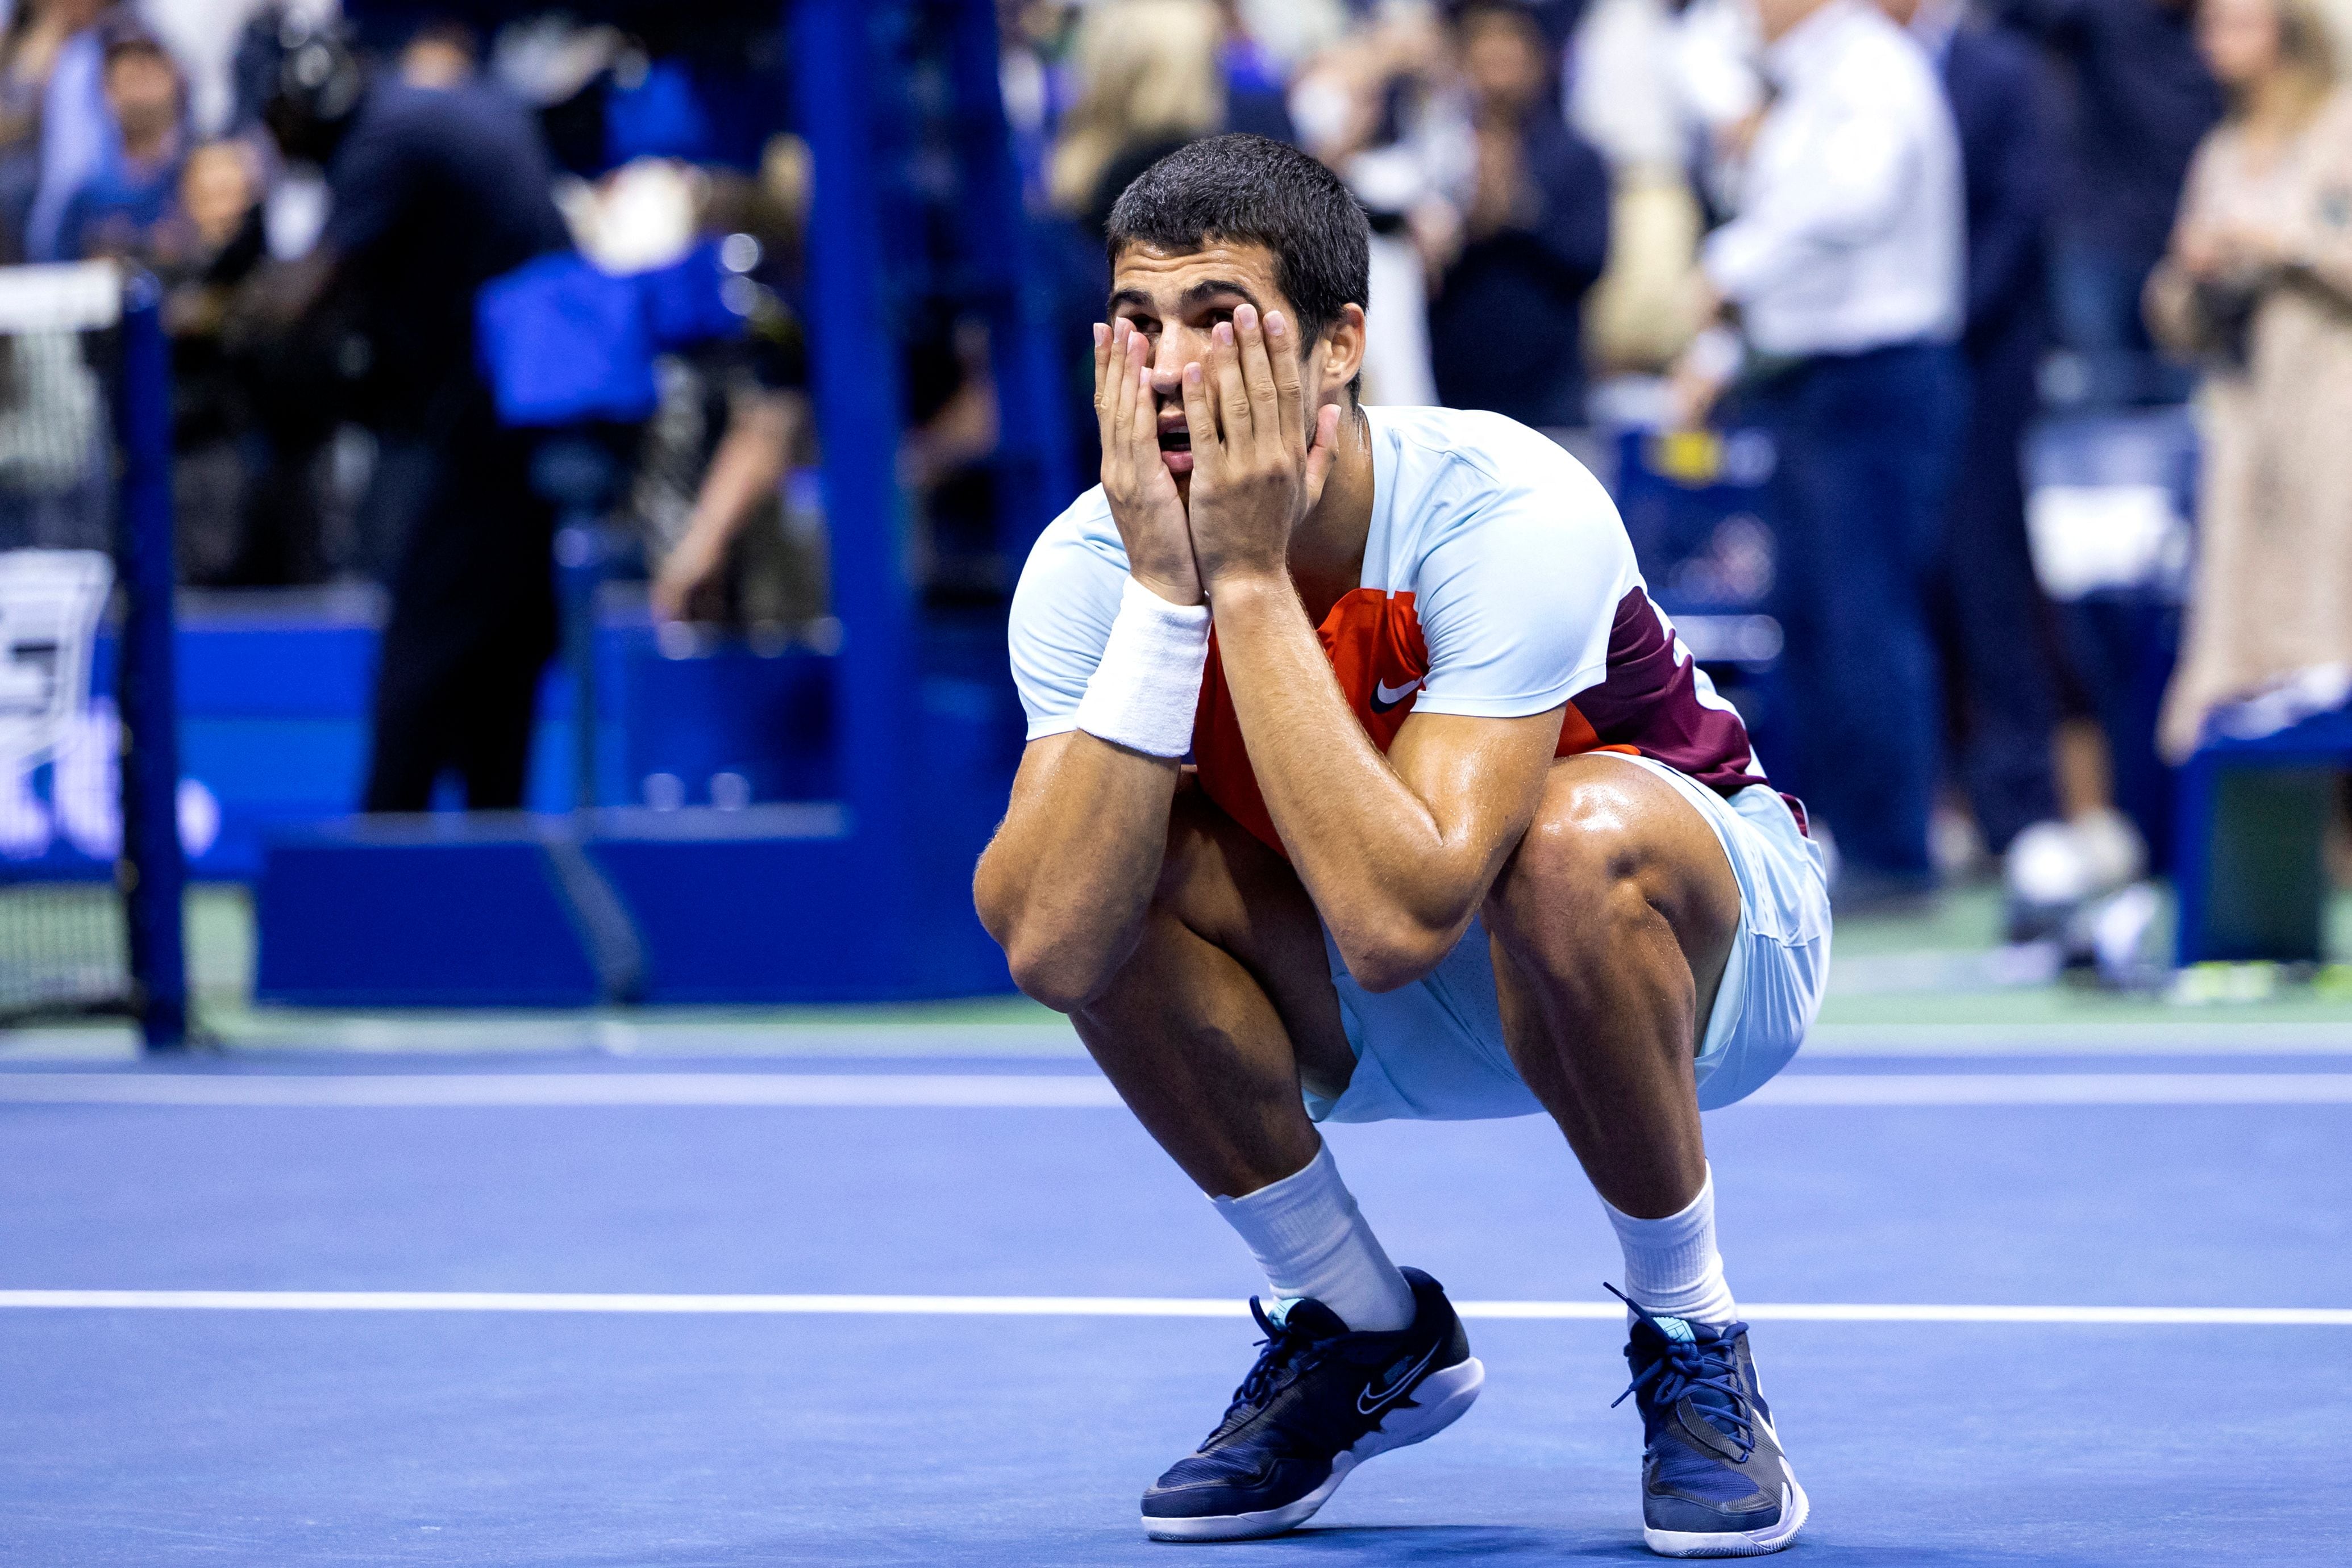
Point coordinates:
[[1276, 1353], [1707, 1373]]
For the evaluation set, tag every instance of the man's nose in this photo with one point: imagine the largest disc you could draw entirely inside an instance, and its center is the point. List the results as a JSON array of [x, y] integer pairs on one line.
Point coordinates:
[[1178, 347]]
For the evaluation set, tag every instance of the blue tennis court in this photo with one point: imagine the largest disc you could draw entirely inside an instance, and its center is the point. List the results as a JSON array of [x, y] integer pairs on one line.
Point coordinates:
[[2027, 1302]]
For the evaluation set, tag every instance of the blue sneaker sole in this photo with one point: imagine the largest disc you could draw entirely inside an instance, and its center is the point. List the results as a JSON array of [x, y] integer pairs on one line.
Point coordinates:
[[1439, 1401]]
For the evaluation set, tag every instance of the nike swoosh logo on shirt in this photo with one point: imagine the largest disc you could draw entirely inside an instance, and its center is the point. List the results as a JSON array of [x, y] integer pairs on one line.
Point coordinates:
[[1385, 696], [1369, 1400]]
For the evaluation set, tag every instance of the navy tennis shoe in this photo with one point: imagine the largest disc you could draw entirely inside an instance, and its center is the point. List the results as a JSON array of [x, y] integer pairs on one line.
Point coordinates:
[[1714, 1481], [1319, 1402]]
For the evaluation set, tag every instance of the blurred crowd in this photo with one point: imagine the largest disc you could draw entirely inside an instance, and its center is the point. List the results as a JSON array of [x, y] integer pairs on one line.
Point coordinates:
[[1892, 234]]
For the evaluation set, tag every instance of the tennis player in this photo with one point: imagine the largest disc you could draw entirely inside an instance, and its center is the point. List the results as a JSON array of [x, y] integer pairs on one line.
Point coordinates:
[[1466, 832]]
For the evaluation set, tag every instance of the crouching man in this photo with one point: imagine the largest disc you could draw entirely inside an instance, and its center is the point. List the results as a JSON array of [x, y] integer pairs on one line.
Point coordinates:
[[1466, 832]]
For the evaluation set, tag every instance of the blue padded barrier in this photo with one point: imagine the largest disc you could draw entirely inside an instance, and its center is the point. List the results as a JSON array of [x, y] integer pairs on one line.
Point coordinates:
[[439, 911], [2250, 822]]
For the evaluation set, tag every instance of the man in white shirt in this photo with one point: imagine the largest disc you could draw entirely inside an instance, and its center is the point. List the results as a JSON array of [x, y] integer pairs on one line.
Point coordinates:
[[1844, 270], [1442, 821]]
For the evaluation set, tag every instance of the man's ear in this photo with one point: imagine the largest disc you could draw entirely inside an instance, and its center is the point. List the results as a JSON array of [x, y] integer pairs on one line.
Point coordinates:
[[1343, 352]]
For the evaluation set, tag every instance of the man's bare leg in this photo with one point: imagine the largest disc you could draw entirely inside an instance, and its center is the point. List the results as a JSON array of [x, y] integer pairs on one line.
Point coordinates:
[[1610, 925], [1225, 1003], [1208, 1029]]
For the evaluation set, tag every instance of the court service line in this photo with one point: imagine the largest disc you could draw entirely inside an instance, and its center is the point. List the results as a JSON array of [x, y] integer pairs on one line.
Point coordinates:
[[1064, 1091], [1099, 1307]]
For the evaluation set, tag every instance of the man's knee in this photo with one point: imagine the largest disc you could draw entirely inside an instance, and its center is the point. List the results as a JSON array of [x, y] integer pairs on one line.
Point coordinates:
[[1581, 863], [1614, 857]]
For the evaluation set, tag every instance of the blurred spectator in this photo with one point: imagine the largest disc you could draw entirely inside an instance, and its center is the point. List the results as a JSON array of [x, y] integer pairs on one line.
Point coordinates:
[[55, 127], [1145, 79], [119, 209], [223, 472], [203, 36], [2141, 100], [735, 520], [767, 427], [440, 54], [1255, 88], [1385, 110], [435, 191], [1295, 31], [2258, 287], [1152, 80], [1507, 327], [1844, 263], [1995, 627], [219, 191], [1627, 100]]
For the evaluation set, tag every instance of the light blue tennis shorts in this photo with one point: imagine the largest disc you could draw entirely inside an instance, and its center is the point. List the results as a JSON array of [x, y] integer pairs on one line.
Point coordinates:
[[1433, 1050]]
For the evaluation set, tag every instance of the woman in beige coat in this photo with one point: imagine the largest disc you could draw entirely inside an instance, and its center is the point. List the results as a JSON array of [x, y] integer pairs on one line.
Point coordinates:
[[2258, 287]]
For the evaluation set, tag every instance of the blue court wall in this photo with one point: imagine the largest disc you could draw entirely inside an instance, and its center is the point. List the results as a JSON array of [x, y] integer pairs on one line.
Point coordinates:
[[274, 731]]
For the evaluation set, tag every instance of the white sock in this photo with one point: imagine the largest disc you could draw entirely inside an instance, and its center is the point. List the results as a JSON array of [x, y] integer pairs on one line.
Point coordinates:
[[1309, 1238], [1671, 1265]]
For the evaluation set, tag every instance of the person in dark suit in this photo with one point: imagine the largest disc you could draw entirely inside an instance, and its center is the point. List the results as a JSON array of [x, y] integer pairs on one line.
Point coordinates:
[[1992, 624], [1505, 330], [433, 192]]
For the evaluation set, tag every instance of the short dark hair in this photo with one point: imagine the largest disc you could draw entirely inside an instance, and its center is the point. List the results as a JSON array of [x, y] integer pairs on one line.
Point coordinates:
[[1251, 189]]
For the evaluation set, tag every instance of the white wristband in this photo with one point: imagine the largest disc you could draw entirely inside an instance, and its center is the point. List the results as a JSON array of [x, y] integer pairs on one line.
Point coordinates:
[[1146, 690]]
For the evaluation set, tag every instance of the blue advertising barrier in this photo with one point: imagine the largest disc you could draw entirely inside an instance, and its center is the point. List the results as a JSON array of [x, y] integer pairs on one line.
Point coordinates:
[[446, 910], [768, 903], [2248, 848]]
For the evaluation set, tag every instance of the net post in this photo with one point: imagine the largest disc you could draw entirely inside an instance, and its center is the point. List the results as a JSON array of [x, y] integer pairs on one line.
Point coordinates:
[[152, 872]]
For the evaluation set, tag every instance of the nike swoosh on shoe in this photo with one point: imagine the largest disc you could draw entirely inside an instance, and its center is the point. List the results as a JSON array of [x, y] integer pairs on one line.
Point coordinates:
[[1394, 1389]]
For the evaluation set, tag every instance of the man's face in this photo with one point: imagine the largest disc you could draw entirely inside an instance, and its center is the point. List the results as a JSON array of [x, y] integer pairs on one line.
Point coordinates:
[[217, 191], [1503, 58], [1175, 299], [144, 92]]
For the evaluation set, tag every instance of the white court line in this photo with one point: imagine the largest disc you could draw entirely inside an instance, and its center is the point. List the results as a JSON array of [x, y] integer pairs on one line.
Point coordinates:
[[2088, 1039], [1064, 1090], [982, 1090], [1100, 1307], [2056, 1089]]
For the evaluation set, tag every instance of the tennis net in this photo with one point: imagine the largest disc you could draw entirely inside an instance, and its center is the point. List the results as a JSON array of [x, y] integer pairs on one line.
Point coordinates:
[[91, 869]]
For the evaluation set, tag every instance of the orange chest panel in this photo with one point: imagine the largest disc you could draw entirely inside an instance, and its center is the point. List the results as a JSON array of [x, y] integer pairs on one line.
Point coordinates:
[[1373, 640]]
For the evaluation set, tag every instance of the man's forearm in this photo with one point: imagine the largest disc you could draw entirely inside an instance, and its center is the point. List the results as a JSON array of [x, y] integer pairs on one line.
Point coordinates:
[[1065, 885], [1382, 870]]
